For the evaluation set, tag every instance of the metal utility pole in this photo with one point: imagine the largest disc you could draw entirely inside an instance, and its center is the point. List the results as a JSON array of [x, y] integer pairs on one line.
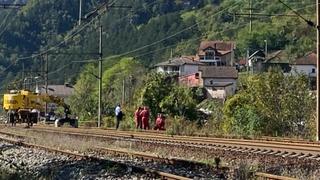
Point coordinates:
[[46, 79], [123, 92], [80, 12], [318, 70], [250, 9], [100, 73], [93, 14], [266, 48]]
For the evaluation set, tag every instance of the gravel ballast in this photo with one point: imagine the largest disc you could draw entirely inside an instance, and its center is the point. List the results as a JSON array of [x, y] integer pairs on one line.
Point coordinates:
[[26, 163]]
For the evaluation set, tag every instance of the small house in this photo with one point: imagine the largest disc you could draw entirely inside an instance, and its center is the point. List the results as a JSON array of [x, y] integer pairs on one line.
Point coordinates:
[[216, 53], [180, 66]]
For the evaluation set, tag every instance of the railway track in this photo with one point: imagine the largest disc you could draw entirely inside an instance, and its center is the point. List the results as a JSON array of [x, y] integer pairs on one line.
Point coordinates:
[[78, 156], [277, 148], [145, 156]]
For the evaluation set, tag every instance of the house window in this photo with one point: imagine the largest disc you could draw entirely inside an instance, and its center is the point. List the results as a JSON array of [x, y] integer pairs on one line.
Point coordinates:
[[165, 68], [175, 68], [211, 82], [313, 70], [210, 54], [196, 76]]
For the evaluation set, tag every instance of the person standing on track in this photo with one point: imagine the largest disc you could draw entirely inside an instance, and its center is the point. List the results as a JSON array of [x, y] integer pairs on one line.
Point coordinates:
[[137, 118], [119, 115], [145, 118]]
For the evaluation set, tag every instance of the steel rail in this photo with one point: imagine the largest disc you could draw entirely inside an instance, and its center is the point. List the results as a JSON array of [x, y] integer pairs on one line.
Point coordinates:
[[196, 135], [79, 156], [266, 176], [274, 146], [297, 150], [144, 156]]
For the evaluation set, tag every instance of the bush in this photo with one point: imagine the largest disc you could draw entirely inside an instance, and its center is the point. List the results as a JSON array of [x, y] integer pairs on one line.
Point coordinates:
[[180, 126]]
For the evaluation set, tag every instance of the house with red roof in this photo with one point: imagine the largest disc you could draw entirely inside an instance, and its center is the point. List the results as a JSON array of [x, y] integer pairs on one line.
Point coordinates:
[[216, 53], [219, 82], [305, 65]]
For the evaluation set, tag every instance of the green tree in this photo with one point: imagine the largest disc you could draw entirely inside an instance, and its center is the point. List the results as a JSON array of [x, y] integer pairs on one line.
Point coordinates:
[[272, 104], [83, 101], [157, 86], [180, 102]]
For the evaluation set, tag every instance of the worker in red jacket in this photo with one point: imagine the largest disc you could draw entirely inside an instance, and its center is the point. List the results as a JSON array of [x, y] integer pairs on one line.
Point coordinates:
[[138, 118], [145, 118], [160, 122]]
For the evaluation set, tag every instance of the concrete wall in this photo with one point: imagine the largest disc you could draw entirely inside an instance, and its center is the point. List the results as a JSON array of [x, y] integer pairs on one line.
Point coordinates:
[[304, 69], [183, 70], [233, 87], [188, 69], [219, 92]]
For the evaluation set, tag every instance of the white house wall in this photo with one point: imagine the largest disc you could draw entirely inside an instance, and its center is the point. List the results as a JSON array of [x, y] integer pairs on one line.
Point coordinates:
[[233, 86], [160, 69], [183, 69], [303, 69], [188, 69]]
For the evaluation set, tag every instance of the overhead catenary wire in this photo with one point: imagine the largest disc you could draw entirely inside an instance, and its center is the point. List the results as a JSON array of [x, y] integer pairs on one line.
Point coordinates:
[[157, 50], [73, 33], [5, 20], [171, 36], [151, 52], [123, 54], [309, 22]]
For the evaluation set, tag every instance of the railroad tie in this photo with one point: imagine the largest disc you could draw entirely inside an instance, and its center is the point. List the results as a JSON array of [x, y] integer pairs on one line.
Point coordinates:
[[312, 157], [279, 153], [286, 154], [256, 151], [245, 150], [266, 151], [304, 156], [274, 152]]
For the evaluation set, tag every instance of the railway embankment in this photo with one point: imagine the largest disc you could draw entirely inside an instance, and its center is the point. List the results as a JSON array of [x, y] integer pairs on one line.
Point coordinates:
[[18, 162], [235, 161]]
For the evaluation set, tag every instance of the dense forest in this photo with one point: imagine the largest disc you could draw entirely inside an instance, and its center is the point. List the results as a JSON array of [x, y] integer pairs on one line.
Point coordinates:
[[148, 32]]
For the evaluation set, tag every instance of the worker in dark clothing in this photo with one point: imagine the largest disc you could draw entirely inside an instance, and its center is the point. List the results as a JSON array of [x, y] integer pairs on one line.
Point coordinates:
[[119, 115], [66, 112], [137, 118], [145, 118]]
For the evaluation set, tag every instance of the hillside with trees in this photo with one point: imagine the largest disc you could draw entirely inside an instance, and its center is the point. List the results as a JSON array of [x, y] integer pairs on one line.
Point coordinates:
[[151, 29]]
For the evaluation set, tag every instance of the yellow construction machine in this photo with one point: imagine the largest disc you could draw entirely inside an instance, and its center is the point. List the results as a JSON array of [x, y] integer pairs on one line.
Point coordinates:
[[26, 107]]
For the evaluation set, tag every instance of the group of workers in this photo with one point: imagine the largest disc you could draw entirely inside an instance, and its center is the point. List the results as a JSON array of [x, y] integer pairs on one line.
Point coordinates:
[[142, 117]]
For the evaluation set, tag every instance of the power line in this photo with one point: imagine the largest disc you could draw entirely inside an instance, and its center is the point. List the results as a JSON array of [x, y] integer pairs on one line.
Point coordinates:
[[309, 22], [12, 6], [173, 35], [67, 38]]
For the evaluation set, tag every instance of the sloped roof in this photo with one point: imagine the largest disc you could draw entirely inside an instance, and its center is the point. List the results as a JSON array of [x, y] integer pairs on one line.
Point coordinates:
[[279, 56], [309, 59], [219, 45], [218, 72], [179, 61], [59, 90]]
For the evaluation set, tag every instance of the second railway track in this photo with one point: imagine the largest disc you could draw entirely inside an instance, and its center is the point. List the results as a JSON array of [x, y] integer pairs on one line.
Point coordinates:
[[145, 156], [279, 148]]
